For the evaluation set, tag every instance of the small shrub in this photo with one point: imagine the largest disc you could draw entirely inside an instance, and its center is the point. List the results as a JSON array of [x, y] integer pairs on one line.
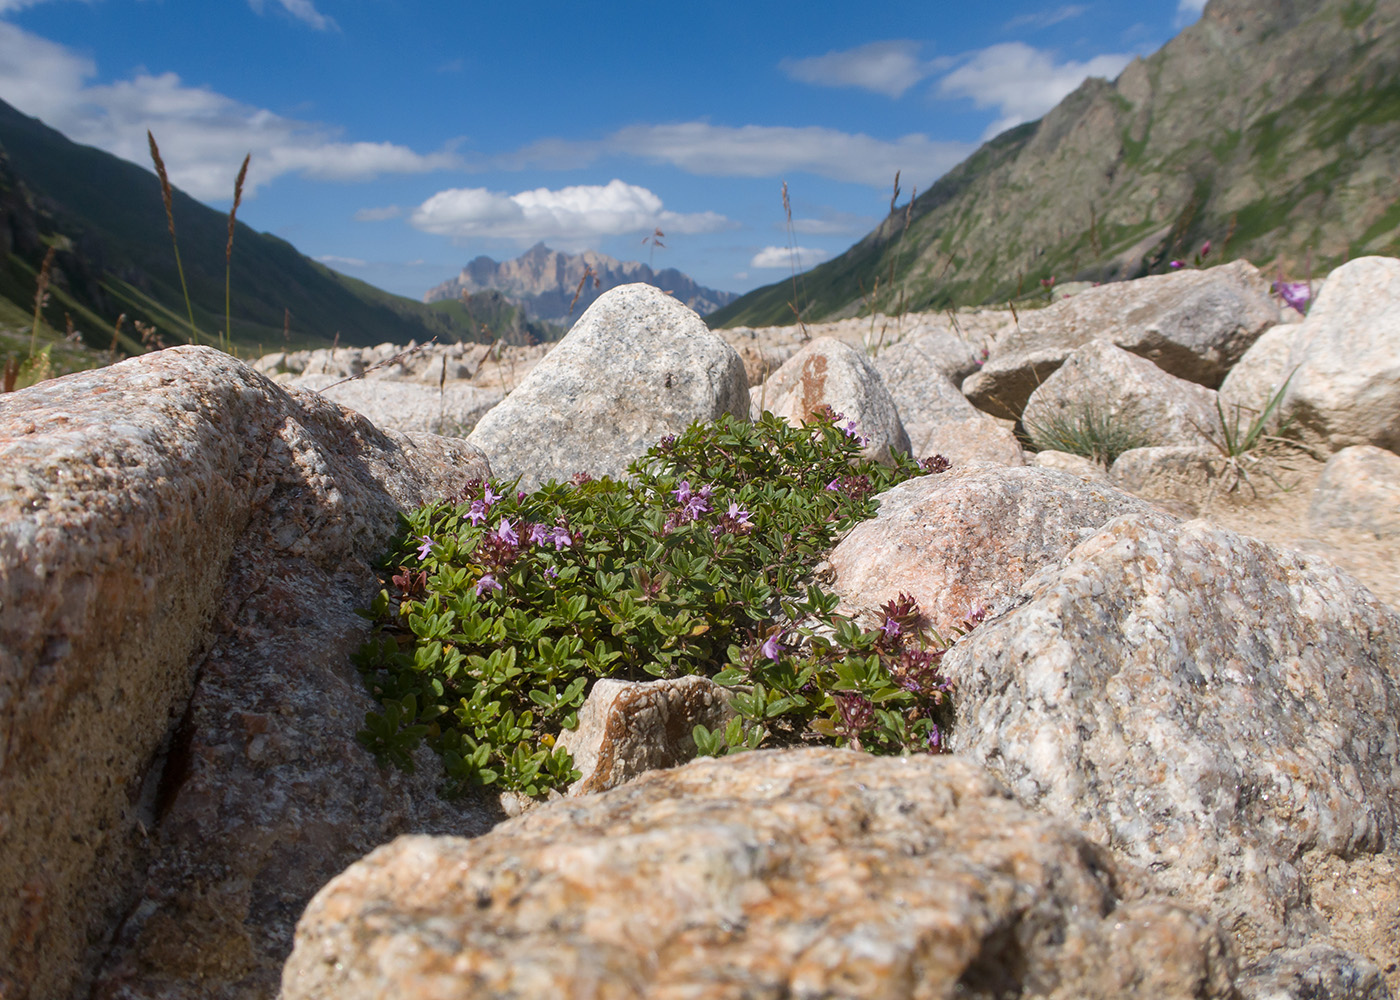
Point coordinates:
[[1089, 431], [502, 607]]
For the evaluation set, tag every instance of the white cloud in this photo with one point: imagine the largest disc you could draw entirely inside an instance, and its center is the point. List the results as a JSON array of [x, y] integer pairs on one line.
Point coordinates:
[[888, 68], [835, 224], [757, 151], [1022, 82], [574, 215], [203, 135], [788, 257], [302, 10], [378, 214], [1188, 10], [1045, 18], [335, 261]]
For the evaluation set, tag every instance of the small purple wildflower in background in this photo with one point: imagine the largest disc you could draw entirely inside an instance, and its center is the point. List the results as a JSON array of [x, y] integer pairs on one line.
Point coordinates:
[[561, 538], [834, 485], [1205, 249], [539, 534], [506, 533], [477, 514], [425, 548], [935, 740], [486, 583], [772, 648], [891, 628], [520, 496], [1177, 265], [551, 572], [693, 503], [854, 434], [935, 464], [1295, 293], [488, 497]]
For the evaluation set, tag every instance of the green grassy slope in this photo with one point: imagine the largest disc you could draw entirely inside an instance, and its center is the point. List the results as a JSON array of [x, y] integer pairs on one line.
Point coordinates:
[[1273, 133], [108, 217]]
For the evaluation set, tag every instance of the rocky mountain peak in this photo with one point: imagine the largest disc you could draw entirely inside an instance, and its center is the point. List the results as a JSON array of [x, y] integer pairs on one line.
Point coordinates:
[[545, 281]]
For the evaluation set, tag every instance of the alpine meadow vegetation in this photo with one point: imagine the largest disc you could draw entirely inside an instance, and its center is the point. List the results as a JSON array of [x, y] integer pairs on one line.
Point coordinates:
[[501, 607]]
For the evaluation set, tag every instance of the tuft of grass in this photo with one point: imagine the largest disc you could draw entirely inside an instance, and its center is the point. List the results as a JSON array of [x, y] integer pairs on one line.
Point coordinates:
[[1087, 430], [1244, 445], [166, 196]]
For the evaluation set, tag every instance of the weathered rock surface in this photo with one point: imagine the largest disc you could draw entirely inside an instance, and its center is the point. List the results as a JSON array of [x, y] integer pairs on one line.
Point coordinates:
[[1259, 374], [968, 538], [937, 417], [1075, 465], [1169, 472], [1194, 324], [452, 411], [637, 366], [1359, 492], [1115, 386], [1317, 972], [799, 873], [626, 728], [1002, 385], [1209, 707], [182, 547], [829, 373], [1346, 389]]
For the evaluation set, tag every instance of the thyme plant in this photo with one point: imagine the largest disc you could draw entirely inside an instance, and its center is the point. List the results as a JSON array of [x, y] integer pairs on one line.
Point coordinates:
[[502, 607]]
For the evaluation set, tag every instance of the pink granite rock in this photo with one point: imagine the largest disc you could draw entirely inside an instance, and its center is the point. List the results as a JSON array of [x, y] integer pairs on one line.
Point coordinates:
[[801, 873], [182, 547]]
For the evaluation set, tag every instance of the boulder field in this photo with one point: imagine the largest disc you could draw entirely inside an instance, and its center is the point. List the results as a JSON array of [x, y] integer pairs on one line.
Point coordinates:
[[1175, 770]]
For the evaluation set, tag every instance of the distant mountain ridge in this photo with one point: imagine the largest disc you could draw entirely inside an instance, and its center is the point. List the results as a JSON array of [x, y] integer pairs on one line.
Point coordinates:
[[104, 218], [1270, 128], [544, 282]]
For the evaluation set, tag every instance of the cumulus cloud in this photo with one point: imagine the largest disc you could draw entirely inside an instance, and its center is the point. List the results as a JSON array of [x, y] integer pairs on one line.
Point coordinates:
[[569, 215], [888, 68], [302, 10], [1021, 82], [203, 135], [788, 257], [334, 261], [757, 151]]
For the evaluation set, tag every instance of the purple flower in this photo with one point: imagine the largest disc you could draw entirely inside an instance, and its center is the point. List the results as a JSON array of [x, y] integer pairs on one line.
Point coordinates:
[[539, 534], [772, 647], [486, 583], [740, 518], [693, 504], [1177, 265], [835, 484], [506, 533], [1295, 293], [935, 740], [561, 538], [425, 548], [477, 514], [551, 572], [891, 628], [488, 497], [1205, 249], [520, 496]]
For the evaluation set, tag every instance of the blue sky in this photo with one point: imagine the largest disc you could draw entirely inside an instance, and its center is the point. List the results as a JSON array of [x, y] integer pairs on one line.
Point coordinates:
[[397, 139]]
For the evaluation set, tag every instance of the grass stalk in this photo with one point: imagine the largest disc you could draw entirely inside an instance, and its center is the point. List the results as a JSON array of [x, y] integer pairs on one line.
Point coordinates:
[[41, 294], [170, 221], [227, 336]]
